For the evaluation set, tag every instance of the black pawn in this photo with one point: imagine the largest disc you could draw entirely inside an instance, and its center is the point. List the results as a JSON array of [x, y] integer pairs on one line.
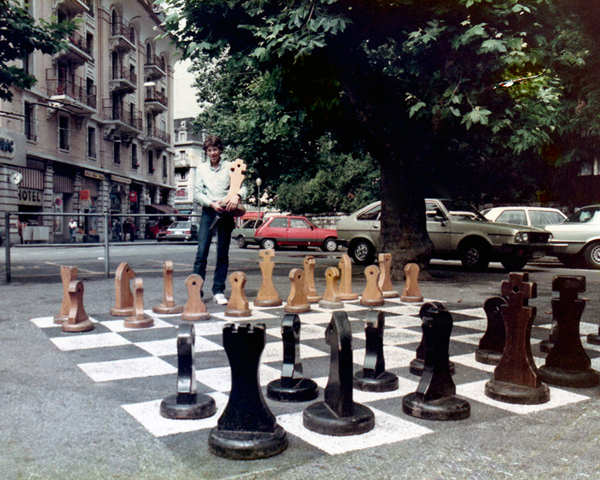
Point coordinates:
[[247, 429], [339, 414], [568, 364], [373, 377], [292, 386], [187, 403], [418, 363], [492, 343], [435, 398]]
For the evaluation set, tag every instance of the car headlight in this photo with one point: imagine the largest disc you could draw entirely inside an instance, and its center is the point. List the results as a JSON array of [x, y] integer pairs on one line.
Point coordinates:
[[522, 237]]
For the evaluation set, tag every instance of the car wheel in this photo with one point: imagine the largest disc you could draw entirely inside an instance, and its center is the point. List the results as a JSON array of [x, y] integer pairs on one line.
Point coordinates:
[[514, 264], [329, 245], [475, 256], [241, 242], [592, 256], [268, 244], [362, 252]]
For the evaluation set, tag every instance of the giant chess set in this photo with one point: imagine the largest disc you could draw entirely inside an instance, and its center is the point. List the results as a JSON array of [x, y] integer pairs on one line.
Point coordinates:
[[339, 372]]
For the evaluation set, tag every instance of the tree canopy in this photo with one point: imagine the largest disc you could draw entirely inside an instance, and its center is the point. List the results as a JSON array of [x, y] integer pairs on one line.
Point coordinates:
[[20, 35], [441, 94]]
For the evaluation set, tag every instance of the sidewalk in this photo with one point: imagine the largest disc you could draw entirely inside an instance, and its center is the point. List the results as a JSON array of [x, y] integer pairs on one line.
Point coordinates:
[[57, 424]]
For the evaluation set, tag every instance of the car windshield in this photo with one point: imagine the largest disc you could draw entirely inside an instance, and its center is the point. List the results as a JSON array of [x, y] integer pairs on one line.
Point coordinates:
[[180, 225], [462, 210], [585, 215]]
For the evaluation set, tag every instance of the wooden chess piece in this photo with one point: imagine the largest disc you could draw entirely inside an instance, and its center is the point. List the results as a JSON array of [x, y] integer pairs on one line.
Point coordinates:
[[309, 275], [385, 277], [297, 301], [516, 378], [78, 320], [139, 319], [67, 275], [372, 296], [267, 295], [411, 292], [238, 305], [236, 178], [345, 267], [331, 299], [123, 294], [168, 304], [194, 309]]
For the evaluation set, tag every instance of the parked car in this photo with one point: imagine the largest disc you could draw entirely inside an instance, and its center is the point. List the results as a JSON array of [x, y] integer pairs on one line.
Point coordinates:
[[162, 233], [186, 230], [576, 241], [530, 216], [457, 230], [245, 235], [295, 231]]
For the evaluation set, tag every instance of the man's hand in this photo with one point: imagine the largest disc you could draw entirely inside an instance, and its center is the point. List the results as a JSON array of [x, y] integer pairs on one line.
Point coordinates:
[[232, 204], [216, 207]]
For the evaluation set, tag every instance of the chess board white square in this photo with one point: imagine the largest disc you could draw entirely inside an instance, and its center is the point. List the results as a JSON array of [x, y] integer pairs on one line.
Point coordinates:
[[129, 368], [219, 379], [402, 321], [210, 327], [118, 326], [161, 348], [388, 429], [480, 324], [398, 336], [84, 342]]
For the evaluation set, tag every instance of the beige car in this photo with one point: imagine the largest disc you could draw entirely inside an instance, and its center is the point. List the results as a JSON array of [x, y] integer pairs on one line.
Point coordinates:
[[457, 230]]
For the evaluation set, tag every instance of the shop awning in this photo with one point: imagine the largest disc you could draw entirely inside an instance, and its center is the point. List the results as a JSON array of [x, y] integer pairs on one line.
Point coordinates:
[[161, 209]]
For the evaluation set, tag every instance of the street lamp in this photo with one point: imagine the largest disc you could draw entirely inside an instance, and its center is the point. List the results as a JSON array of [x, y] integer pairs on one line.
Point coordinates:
[[258, 184]]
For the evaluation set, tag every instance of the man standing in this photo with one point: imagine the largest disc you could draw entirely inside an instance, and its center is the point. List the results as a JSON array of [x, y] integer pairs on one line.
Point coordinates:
[[72, 229], [211, 188]]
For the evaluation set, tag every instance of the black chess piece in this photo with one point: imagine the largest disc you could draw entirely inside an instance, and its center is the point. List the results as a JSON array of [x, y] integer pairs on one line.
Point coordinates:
[[491, 344], [435, 398], [373, 377], [247, 429], [516, 377], [187, 403], [418, 363], [568, 364], [339, 414], [292, 386]]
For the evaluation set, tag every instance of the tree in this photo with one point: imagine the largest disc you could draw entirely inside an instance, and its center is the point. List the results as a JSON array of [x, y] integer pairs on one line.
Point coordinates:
[[20, 36], [419, 83]]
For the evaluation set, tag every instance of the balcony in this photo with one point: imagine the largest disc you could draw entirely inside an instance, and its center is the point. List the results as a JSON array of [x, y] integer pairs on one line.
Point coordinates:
[[71, 91], [155, 102], [75, 7], [122, 37], [181, 161], [158, 138], [77, 51], [123, 80], [155, 68], [125, 118]]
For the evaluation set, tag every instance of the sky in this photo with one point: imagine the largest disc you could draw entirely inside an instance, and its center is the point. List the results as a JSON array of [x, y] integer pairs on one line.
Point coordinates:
[[185, 104]]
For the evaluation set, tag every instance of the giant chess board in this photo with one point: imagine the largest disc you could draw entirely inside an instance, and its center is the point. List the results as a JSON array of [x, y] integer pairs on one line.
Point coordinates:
[[138, 368]]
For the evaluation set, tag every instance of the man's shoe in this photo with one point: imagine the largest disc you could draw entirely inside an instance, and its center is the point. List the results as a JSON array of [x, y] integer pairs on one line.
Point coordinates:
[[220, 299]]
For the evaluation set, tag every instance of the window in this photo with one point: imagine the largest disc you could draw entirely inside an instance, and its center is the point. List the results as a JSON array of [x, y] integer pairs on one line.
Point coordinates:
[[117, 153], [183, 136], [63, 133], [372, 214], [279, 223], [91, 142], [150, 162], [134, 157], [164, 166], [299, 223], [29, 123], [28, 64], [115, 23], [516, 217], [89, 44]]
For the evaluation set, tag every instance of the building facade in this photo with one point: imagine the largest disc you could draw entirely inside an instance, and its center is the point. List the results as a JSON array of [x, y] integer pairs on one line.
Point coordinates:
[[94, 134]]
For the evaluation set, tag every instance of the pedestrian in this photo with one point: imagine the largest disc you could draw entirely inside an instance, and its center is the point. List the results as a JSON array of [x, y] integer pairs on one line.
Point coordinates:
[[72, 230], [129, 228], [210, 189]]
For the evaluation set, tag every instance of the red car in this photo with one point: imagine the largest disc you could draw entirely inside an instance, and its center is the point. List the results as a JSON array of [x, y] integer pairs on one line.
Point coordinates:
[[295, 231]]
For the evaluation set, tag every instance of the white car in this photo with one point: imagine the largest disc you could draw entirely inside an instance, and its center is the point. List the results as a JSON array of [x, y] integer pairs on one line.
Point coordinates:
[[529, 216]]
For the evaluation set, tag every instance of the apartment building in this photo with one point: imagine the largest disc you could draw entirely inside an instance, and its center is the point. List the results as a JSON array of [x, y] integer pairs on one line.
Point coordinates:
[[94, 133]]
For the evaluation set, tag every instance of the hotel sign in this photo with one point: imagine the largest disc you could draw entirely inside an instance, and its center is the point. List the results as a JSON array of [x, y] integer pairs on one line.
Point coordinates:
[[28, 196], [12, 148]]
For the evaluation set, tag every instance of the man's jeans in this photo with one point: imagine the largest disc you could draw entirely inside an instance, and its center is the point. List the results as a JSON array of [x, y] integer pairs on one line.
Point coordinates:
[[223, 229]]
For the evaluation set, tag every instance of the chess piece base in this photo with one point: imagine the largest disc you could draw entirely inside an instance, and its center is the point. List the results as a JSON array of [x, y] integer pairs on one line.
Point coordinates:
[[203, 406], [132, 322], [165, 310], [569, 378], [443, 409], [319, 418], [593, 339], [313, 298], [239, 445], [517, 394], [121, 312], [489, 357], [417, 365], [304, 391], [348, 296], [60, 319], [330, 305], [546, 346], [392, 294], [372, 303], [409, 299], [386, 382], [267, 303], [84, 326], [238, 313], [195, 317], [297, 309]]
